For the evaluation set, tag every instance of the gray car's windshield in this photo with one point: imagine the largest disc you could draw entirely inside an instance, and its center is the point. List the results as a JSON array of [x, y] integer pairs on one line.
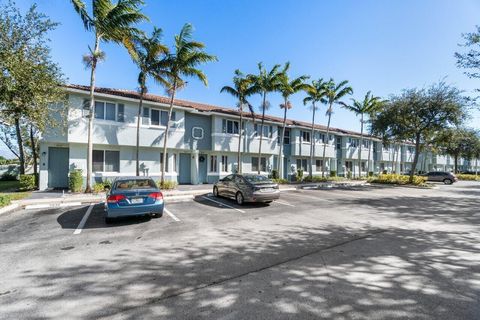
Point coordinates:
[[128, 184], [256, 178]]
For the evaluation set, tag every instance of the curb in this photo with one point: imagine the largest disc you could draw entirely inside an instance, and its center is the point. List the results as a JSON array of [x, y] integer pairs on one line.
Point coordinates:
[[9, 208]]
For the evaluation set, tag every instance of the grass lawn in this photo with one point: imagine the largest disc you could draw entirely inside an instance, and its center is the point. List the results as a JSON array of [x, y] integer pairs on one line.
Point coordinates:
[[10, 188]]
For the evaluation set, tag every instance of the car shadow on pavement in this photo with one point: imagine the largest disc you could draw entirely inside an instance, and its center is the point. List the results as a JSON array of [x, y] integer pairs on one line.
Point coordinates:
[[215, 202], [71, 219]]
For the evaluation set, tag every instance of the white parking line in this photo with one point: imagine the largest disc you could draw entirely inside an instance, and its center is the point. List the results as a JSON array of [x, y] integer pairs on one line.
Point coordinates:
[[84, 220], [174, 217], [284, 203], [222, 204]]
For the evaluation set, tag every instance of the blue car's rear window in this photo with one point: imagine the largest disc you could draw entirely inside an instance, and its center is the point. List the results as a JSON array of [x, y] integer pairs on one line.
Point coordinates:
[[134, 184]]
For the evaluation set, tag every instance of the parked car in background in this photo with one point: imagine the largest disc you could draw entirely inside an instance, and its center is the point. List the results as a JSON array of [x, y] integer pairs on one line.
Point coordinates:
[[133, 196], [247, 188], [441, 176]]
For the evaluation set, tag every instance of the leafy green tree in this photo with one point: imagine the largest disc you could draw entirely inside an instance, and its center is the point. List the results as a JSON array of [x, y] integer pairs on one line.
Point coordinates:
[[316, 93], [334, 93], [30, 82], [110, 23], [146, 53], [470, 59], [288, 87], [418, 115], [458, 142], [263, 83], [363, 108], [180, 63], [242, 88]]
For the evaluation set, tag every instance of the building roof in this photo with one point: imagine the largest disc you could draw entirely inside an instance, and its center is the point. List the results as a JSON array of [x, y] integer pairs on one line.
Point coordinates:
[[207, 108]]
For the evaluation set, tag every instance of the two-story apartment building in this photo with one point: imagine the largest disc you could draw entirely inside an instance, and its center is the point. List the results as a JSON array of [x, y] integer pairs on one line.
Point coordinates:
[[202, 142]]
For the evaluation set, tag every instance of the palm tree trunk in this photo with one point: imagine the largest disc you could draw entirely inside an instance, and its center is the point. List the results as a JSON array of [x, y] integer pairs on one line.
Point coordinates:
[[21, 152], [240, 135], [360, 150], [328, 139], [261, 133], [34, 156], [88, 187], [165, 136], [282, 138], [139, 117], [312, 139]]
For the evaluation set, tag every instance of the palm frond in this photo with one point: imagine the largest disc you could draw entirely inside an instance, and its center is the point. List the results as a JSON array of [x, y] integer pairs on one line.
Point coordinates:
[[80, 8]]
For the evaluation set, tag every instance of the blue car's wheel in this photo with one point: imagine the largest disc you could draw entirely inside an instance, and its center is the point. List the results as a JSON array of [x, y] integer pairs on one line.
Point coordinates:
[[109, 220]]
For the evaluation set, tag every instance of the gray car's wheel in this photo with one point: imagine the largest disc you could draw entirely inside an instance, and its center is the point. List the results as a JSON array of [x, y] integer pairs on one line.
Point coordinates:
[[447, 181], [239, 198], [215, 191]]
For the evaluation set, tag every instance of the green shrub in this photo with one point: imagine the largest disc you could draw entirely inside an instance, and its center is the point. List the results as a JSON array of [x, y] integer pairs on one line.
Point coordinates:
[[167, 185], [370, 173], [397, 179], [469, 177], [27, 182], [299, 175], [333, 173], [384, 172], [75, 180], [98, 187], [274, 174], [349, 175], [280, 181], [4, 200]]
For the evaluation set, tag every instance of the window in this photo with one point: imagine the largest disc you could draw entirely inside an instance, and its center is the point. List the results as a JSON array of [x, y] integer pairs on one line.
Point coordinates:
[[106, 161], [263, 164], [267, 130], [155, 117], [161, 162], [146, 116], [164, 118], [365, 143], [364, 166], [286, 138], [224, 164], [348, 165], [339, 143], [320, 137], [174, 162], [302, 164], [305, 136], [230, 126], [107, 111], [353, 142], [213, 163], [374, 147], [319, 164]]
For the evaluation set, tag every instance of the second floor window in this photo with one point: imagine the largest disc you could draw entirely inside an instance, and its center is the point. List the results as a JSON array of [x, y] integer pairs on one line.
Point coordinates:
[[267, 130], [106, 110], [305, 136], [106, 161], [156, 117], [321, 137], [230, 126], [286, 138], [365, 143], [353, 142]]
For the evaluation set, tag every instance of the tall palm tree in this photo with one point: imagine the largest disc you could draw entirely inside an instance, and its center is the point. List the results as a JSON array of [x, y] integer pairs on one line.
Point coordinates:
[[334, 92], [263, 83], [315, 93], [110, 23], [242, 89], [146, 53], [367, 106], [182, 62], [288, 87]]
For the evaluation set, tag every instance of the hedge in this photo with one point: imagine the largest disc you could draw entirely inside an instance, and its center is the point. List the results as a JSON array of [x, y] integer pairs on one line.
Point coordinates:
[[75, 180], [4, 200], [27, 182]]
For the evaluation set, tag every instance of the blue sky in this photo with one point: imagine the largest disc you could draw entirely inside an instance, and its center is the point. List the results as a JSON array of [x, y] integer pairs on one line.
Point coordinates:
[[382, 46]]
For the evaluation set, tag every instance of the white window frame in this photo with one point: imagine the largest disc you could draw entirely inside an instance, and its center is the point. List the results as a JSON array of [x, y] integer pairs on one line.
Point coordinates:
[[224, 164], [213, 159], [304, 133], [104, 159], [225, 123], [148, 119], [86, 107]]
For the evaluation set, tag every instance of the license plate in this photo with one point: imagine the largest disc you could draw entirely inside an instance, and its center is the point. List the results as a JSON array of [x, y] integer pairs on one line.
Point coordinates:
[[267, 190], [136, 200]]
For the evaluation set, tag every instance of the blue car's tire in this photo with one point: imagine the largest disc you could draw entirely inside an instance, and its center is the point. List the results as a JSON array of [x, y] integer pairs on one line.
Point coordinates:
[[109, 220]]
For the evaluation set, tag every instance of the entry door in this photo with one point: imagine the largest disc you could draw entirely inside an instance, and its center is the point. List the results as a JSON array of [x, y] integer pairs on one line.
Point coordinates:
[[58, 167], [202, 168], [184, 174]]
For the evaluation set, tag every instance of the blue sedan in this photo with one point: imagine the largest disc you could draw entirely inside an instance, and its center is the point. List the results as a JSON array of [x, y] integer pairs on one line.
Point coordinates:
[[133, 196]]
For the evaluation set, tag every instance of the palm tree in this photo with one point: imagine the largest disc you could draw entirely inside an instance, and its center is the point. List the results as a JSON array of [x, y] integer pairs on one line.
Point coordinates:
[[181, 63], [288, 87], [264, 83], [242, 89], [110, 23], [367, 106], [146, 53], [334, 92], [315, 93]]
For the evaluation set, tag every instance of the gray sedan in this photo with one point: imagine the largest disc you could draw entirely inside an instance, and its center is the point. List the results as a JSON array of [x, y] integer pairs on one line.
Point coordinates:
[[440, 176], [247, 188]]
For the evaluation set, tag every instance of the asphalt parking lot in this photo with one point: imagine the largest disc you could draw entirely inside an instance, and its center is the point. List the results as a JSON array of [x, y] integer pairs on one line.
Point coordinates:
[[358, 253]]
